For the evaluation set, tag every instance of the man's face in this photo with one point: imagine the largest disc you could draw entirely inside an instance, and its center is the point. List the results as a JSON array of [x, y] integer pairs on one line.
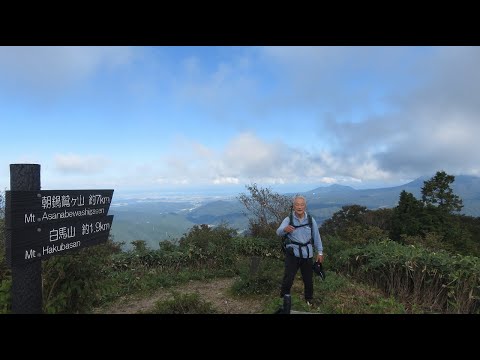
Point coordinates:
[[299, 206]]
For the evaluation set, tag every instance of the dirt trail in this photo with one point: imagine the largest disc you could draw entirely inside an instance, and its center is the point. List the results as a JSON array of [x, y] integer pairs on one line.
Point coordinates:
[[214, 291]]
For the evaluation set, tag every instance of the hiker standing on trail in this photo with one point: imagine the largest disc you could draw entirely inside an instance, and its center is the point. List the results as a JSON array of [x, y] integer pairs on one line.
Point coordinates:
[[299, 249]]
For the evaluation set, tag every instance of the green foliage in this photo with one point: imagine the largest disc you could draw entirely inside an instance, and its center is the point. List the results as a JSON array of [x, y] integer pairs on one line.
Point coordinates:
[[380, 218], [343, 219], [431, 223], [437, 192], [454, 239], [167, 246], [201, 247], [143, 262], [3, 264], [387, 306], [258, 276], [141, 258], [262, 230], [407, 216], [431, 241], [184, 304], [205, 245], [332, 246], [251, 246], [411, 219], [471, 225], [268, 209], [356, 225], [5, 275], [341, 295], [5, 295], [71, 281], [139, 246], [208, 238], [357, 234], [433, 280]]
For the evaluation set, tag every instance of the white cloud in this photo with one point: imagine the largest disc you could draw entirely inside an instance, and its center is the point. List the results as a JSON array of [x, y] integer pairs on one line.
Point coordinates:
[[248, 155], [226, 180], [247, 158], [78, 164], [389, 111], [328, 180]]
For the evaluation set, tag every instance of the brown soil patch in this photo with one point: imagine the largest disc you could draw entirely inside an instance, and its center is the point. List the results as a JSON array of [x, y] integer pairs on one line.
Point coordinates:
[[215, 292]]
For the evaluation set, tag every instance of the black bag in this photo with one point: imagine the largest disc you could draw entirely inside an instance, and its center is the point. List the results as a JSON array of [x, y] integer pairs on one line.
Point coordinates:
[[318, 269]]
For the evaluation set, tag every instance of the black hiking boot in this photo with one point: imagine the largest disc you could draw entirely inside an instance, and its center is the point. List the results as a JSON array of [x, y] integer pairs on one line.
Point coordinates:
[[287, 305]]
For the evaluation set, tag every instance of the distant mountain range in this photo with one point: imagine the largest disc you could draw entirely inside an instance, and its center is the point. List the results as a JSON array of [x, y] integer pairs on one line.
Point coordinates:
[[466, 187], [157, 221], [324, 201]]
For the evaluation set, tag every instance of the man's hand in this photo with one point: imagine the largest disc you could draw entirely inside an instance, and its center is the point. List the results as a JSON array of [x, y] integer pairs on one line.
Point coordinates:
[[320, 258], [289, 228]]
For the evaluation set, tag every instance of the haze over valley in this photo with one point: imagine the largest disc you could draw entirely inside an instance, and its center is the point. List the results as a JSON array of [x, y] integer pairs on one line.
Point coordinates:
[[156, 217]]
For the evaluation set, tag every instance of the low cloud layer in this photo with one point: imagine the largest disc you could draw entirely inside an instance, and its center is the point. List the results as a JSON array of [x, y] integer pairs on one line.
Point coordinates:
[[247, 158]]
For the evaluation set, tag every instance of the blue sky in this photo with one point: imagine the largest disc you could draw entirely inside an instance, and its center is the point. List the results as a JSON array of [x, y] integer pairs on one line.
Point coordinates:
[[218, 118]]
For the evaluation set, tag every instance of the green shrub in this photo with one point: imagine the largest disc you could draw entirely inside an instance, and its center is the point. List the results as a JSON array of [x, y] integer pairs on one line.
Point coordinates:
[[254, 246], [5, 296], [259, 276], [208, 246], [358, 234], [184, 304], [5, 274], [71, 281], [435, 280]]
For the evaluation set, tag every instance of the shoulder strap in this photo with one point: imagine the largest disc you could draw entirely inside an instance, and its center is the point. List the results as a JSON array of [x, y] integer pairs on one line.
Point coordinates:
[[309, 218], [310, 222]]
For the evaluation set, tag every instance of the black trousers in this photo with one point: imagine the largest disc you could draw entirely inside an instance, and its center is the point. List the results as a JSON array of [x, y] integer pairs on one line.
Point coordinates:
[[292, 263]]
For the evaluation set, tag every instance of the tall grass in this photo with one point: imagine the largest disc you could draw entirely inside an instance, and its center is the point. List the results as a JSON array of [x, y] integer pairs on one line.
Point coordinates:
[[437, 281]]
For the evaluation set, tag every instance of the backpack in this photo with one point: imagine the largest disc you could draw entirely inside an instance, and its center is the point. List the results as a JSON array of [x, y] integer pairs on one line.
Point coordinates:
[[287, 240]]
